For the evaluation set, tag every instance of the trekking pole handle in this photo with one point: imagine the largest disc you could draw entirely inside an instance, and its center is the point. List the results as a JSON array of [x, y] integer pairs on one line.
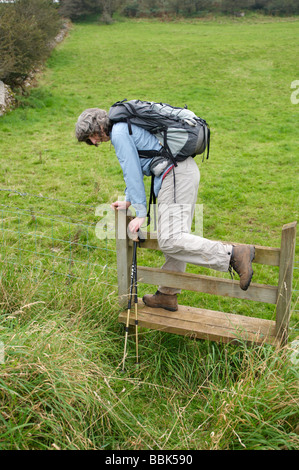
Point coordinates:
[[136, 236]]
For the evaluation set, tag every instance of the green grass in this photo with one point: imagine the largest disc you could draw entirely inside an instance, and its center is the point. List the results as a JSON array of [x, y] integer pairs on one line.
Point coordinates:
[[60, 382]]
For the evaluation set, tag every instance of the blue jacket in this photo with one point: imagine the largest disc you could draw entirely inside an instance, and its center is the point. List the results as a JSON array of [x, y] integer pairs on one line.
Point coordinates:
[[134, 168]]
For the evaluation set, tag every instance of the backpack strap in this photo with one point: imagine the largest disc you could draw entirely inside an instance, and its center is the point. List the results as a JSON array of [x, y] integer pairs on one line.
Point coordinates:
[[152, 200], [119, 102], [166, 147], [152, 154], [129, 126], [207, 133], [149, 153]]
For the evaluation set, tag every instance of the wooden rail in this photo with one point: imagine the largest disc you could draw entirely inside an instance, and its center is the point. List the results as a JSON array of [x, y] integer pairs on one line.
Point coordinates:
[[263, 254], [207, 324]]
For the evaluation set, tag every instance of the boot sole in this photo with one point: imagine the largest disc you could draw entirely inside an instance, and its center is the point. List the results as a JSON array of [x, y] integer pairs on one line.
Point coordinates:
[[170, 309], [162, 306], [252, 256]]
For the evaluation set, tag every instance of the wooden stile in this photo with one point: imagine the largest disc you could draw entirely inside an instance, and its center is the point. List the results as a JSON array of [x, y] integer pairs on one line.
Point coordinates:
[[263, 254], [207, 284], [286, 267], [207, 324]]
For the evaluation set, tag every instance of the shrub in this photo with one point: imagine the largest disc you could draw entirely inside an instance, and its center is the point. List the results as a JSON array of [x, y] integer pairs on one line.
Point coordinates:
[[27, 28], [131, 9], [75, 9]]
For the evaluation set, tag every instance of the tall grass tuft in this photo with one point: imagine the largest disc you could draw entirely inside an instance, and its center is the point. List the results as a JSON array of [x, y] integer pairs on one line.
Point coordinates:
[[61, 386]]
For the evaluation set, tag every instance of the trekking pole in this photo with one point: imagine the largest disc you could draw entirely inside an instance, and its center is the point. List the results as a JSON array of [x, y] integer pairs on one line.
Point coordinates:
[[140, 239], [133, 280], [136, 309]]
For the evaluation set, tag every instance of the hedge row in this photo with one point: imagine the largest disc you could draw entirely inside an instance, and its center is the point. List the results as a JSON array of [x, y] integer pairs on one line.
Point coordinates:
[[27, 31]]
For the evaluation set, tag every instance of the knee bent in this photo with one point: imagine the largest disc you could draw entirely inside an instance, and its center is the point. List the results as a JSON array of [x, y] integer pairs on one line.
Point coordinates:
[[169, 246]]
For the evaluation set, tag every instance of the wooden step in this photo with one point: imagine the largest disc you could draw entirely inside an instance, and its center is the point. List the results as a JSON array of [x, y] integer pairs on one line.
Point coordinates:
[[203, 324]]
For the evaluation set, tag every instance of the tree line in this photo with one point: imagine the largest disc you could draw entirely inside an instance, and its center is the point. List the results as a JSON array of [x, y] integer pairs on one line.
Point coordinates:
[[75, 9]]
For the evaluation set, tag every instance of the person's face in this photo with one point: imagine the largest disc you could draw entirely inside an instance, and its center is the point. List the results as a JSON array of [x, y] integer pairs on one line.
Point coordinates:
[[96, 139]]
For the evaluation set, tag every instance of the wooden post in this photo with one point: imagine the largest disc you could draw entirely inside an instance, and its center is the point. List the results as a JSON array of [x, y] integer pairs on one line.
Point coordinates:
[[124, 256], [283, 306]]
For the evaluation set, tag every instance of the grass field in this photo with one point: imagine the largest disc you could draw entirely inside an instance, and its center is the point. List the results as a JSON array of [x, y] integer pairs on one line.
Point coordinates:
[[60, 381]]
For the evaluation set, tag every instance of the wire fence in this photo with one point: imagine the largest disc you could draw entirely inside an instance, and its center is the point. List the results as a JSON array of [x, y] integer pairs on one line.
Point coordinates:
[[44, 235], [49, 238]]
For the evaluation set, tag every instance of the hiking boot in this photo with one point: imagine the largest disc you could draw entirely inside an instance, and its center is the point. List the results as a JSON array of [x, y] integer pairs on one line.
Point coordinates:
[[241, 259], [159, 300]]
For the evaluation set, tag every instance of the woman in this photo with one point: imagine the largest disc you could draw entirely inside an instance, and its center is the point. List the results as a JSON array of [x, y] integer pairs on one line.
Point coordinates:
[[174, 218]]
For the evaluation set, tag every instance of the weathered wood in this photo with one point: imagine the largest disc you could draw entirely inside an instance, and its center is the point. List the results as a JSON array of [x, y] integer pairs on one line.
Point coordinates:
[[287, 254], [263, 254], [205, 324], [124, 256], [207, 284], [213, 325], [267, 255]]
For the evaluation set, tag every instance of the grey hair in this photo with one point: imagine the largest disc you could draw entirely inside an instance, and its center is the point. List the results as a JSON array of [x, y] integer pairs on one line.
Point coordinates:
[[92, 121]]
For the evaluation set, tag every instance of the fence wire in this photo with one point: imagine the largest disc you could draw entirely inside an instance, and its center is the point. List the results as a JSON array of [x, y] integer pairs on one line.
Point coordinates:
[[55, 238], [48, 235]]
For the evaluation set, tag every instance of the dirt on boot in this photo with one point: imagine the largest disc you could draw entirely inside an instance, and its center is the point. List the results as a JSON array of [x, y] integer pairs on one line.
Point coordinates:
[[241, 262], [159, 300]]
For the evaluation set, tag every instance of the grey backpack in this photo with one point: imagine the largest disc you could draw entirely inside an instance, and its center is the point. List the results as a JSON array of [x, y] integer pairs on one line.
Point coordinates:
[[181, 133]]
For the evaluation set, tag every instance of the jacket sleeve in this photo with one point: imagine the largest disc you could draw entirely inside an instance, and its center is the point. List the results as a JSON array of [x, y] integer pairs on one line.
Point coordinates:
[[129, 160]]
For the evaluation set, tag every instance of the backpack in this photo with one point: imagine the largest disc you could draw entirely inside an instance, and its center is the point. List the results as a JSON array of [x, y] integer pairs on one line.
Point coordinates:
[[181, 133]]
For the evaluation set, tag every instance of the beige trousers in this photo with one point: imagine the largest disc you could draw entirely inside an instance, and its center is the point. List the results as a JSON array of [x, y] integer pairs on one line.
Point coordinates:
[[178, 245]]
